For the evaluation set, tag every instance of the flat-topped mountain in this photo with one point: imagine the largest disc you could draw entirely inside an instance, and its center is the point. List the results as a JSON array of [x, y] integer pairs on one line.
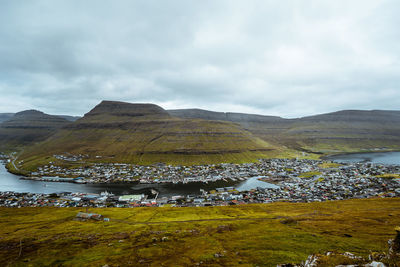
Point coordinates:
[[121, 115], [116, 108], [145, 134], [29, 126]]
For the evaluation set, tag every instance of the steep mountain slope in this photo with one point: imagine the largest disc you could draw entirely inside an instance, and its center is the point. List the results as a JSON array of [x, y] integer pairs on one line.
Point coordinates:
[[27, 127], [146, 133], [342, 131]]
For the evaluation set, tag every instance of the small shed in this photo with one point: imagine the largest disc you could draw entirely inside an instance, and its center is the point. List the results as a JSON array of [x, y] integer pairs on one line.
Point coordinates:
[[83, 216]]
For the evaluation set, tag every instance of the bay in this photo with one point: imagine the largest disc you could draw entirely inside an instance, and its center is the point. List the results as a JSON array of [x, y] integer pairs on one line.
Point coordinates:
[[11, 182], [376, 157]]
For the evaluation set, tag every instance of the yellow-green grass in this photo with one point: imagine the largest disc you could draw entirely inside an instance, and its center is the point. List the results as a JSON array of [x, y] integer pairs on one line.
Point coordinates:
[[247, 235], [309, 174], [327, 165], [389, 176]]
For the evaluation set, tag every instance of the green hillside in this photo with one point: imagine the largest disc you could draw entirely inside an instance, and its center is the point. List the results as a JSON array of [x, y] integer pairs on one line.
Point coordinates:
[[145, 134], [342, 131], [247, 235]]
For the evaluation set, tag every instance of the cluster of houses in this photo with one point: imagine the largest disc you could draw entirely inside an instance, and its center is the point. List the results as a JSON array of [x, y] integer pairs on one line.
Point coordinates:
[[296, 180], [159, 173], [276, 170], [71, 157], [307, 189]]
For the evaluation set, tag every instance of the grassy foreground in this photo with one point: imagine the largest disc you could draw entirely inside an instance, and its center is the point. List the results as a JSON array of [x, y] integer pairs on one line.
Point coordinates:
[[248, 235]]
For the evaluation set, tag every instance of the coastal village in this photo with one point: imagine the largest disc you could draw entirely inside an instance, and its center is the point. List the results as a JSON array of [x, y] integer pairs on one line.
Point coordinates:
[[296, 180]]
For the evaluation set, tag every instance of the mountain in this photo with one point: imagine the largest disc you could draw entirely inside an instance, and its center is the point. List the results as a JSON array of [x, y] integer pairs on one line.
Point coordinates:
[[5, 116], [27, 127], [68, 117], [342, 131], [348, 130], [146, 133]]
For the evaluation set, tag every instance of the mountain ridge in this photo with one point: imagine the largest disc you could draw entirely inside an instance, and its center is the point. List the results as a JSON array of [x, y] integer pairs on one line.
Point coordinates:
[[340, 131], [146, 134]]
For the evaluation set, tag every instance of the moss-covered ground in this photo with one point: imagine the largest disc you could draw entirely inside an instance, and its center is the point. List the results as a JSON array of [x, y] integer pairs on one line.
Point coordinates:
[[247, 235]]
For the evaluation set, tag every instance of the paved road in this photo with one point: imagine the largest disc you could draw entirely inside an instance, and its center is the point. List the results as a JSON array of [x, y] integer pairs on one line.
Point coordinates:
[[14, 159]]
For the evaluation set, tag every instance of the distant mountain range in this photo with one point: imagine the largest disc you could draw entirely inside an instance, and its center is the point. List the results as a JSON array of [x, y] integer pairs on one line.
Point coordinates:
[[146, 133], [342, 131]]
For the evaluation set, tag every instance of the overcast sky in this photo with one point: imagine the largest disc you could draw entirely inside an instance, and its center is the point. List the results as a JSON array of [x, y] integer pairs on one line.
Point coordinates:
[[285, 58]]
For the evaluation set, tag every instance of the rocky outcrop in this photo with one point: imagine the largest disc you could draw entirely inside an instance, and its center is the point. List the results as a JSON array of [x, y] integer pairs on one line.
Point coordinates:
[[394, 247], [391, 259]]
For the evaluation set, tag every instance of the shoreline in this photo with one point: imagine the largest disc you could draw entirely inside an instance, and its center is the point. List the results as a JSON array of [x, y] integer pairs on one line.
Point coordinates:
[[73, 180], [327, 157]]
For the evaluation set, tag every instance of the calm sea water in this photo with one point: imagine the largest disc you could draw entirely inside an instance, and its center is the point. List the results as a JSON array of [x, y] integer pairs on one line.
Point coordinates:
[[381, 157], [11, 182]]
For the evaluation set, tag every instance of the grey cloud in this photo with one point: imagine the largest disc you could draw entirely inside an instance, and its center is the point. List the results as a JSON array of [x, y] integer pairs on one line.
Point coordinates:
[[286, 58]]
